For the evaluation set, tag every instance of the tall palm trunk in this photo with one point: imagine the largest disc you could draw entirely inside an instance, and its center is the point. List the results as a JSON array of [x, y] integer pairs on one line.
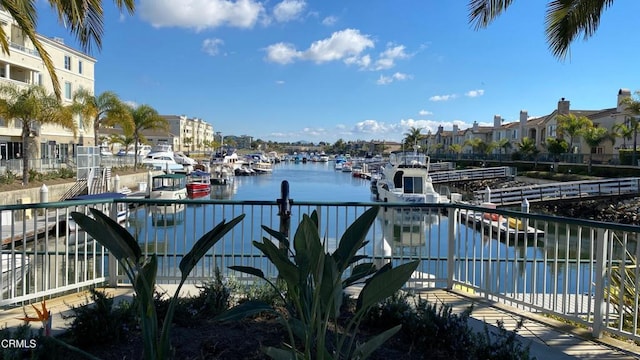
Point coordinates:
[[26, 132], [96, 128], [635, 140]]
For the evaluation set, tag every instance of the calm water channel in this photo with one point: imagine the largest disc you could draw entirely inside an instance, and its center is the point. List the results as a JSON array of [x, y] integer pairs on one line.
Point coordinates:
[[425, 238], [558, 261]]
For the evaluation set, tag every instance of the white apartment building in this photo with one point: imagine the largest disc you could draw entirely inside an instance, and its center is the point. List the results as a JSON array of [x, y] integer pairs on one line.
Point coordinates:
[[189, 134], [24, 67]]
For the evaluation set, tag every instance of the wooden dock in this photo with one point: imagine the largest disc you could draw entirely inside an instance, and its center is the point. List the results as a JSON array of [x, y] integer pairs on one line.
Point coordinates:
[[29, 228], [561, 191]]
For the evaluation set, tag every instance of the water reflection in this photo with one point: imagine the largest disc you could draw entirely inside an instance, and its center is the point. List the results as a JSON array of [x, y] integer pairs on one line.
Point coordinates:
[[406, 231]]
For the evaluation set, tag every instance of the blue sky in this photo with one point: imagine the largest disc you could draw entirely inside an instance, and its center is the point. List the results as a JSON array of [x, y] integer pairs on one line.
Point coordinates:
[[324, 70]]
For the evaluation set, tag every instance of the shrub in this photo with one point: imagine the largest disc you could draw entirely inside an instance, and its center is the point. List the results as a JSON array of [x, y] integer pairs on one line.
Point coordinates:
[[315, 283], [141, 271], [100, 322]]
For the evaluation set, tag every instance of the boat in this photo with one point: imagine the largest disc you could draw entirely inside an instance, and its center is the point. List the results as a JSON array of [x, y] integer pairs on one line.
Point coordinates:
[[198, 184], [493, 223], [229, 159], [406, 179], [183, 159], [14, 267], [168, 187], [162, 160], [222, 174], [262, 167], [122, 209]]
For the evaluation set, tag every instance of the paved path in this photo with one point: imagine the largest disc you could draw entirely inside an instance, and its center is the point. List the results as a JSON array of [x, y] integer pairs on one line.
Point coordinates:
[[549, 339]]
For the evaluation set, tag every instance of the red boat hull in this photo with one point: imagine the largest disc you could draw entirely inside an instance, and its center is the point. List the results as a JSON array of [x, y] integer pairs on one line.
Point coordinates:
[[198, 190]]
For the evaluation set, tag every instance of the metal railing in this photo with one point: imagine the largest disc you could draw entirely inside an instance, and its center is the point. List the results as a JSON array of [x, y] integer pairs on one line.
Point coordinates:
[[581, 190], [583, 271]]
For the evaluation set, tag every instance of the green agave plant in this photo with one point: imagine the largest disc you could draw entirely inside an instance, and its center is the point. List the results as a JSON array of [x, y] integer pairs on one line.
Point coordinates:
[[315, 282], [141, 271]]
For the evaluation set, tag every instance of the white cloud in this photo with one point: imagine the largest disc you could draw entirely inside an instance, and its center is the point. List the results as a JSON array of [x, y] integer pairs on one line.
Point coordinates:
[[443, 97], [388, 57], [340, 45], [288, 10], [370, 127], [212, 46], [360, 61], [345, 45], [201, 14], [384, 80], [475, 93], [279, 82], [329, 20], [282, 53], [424, 113]]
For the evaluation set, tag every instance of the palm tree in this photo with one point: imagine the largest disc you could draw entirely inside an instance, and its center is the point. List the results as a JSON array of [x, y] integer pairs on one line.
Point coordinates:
[[144, 117], [105, 109], [594, 136], [412, 136], [565, 20], [83, 18], [556, 146], [503, 144], [527, 147], [187, 142], [456, 149], [633, 107], [33, 106], [623, 131], [476, 144], [572, 126]]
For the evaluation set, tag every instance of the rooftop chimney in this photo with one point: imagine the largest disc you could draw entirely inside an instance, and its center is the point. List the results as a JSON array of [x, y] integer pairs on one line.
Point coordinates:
[[622, 94], [563, 107], [497, 121]]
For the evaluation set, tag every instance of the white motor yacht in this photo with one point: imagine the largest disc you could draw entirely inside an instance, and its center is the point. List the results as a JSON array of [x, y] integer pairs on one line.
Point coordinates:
[[406, 179]]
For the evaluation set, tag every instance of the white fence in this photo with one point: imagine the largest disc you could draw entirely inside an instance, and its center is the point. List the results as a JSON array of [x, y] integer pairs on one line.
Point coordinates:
[[582, 190], [584, 271]]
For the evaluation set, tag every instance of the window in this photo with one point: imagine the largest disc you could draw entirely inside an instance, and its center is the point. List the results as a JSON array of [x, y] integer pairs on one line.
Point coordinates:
[[67, 90], [79, 66], [552, 130], [39, 79], [515, 134], [67, 62], [412, 185]]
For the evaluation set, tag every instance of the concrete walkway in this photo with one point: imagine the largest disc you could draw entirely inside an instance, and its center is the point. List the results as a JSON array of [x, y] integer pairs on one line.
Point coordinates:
[[548, 339]]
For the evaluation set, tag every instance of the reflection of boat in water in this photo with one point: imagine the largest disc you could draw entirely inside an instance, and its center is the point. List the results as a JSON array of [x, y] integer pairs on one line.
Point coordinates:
[[407, 227], [14, 267], [168, 187]]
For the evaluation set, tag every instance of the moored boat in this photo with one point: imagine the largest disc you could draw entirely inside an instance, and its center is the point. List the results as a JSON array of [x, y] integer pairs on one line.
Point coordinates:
[[406, 179], [168, 187], [198, 184]]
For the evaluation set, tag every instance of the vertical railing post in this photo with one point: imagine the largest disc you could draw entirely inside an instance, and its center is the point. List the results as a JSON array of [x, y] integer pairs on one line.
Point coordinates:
[[602, 238], [284, 206], [451, 246], [112, 261]]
